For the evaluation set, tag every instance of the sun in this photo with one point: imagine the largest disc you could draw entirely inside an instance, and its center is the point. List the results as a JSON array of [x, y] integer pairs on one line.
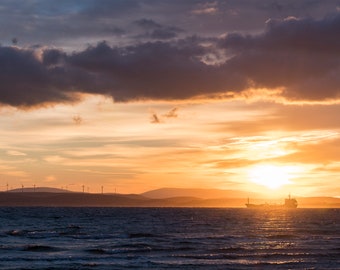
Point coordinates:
[[270, 176]]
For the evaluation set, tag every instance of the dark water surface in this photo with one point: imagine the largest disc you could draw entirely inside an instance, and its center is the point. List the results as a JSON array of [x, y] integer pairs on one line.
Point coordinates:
[[169, 238]]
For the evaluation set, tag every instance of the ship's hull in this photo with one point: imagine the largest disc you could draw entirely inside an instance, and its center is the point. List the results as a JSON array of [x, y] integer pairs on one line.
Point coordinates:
[[269, 206], [290, 203]]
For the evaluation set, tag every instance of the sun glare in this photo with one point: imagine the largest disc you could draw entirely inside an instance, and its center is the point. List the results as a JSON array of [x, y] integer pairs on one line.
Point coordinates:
[[271, 176]]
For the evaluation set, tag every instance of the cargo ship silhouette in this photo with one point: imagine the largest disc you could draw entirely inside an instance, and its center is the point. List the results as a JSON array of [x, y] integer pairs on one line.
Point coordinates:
[[290, 203]]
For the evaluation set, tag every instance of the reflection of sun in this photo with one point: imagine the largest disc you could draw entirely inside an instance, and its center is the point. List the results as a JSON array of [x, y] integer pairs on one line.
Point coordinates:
[[271, 176]]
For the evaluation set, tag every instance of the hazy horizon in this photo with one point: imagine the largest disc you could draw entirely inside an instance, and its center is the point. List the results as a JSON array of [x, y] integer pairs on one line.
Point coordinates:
[[132, 96]]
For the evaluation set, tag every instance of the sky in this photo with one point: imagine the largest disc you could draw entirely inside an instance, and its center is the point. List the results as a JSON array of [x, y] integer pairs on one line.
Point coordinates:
[[131, 96]]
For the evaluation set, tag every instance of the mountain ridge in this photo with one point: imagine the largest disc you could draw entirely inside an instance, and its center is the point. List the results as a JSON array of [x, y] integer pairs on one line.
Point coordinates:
[[164, 197], [40, 189], [203, 193]]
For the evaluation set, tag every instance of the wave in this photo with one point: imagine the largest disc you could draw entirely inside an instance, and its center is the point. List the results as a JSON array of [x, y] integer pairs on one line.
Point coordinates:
[[111, 238], [40, 248], [141, 235], [17, 232], [97, 251], [282, 236]]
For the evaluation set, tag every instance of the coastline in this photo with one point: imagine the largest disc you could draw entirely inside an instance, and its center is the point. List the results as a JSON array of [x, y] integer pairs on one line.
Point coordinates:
[[18, 199]]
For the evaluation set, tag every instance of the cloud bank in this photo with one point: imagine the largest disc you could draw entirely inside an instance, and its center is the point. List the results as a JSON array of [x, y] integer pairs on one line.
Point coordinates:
[[299, 56]]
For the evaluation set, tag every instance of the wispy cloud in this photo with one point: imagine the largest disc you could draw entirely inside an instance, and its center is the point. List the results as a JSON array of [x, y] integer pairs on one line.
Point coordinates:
[[77, 119], [15, 153], [155, 119], [156, 31], [206, 8], [172, 113]]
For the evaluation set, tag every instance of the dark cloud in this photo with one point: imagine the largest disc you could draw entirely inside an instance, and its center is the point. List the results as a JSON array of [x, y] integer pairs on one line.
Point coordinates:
[[158, 70], [147, 24], [157, 31], [70, 23], [53, 57], [291, 34], [301, 56], [30, 78], [164, 33], [61, 23], [24, 80]]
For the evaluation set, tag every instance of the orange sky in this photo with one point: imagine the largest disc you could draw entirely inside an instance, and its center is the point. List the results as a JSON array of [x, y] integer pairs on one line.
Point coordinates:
[[208, 144], [154, 100]]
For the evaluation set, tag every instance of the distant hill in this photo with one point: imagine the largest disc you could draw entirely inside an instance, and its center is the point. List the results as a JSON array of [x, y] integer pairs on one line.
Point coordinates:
[[319, 202], [78, 199], [40, 189], [164, 193], [165, 197], [75, 199], [70, 199]]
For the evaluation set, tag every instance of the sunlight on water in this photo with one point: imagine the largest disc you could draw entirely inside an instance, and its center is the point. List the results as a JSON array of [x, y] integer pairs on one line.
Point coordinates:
[[171, 238]]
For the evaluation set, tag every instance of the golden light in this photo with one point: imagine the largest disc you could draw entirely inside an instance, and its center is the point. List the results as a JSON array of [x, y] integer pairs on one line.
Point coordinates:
[[271, 176]]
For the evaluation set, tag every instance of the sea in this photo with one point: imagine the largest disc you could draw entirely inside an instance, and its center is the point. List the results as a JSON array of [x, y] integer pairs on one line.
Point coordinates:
[[168, 238]]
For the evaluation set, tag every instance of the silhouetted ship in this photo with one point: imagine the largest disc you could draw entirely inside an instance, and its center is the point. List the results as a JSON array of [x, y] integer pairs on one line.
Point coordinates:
[[290, 203]]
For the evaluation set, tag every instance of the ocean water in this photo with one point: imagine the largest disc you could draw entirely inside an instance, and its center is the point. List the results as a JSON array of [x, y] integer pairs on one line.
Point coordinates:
[[169, 238]]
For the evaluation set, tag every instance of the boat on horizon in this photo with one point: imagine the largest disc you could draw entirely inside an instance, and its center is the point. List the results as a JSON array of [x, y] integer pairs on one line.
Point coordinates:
[[290, 203]]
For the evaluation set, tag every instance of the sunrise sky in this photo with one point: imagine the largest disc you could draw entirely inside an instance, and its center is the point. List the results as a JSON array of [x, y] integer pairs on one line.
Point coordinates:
[[138, 95]]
